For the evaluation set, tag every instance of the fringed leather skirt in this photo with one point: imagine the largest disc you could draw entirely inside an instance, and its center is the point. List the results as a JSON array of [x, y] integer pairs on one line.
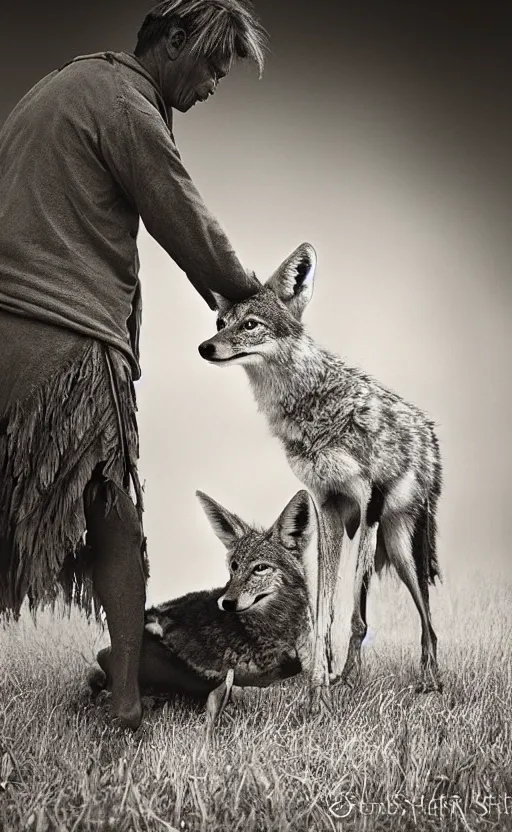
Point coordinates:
[[67, 427]]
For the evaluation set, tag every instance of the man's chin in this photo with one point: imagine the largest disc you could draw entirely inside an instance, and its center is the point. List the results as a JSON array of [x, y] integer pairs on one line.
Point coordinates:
[[183, 108]]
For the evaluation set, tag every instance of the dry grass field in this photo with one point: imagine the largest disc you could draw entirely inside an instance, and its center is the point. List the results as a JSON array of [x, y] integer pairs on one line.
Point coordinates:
[[388, 760]]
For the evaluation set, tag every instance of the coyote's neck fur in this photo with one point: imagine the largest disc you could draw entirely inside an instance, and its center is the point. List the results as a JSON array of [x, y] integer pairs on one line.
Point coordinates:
[[293, 387], [296, 373]]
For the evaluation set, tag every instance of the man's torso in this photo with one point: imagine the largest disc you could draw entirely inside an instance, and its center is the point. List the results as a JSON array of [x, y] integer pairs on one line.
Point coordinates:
[[68, 251]]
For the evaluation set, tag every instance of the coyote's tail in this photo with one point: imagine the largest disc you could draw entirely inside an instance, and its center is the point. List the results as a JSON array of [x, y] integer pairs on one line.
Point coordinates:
[[424, 545]]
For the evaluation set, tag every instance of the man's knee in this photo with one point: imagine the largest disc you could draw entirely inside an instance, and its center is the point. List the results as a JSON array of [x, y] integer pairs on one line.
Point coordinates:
[[128, 521], [109, 509]]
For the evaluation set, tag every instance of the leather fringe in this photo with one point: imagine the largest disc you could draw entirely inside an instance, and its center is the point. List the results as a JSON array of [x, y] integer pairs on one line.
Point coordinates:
[[50, 445]]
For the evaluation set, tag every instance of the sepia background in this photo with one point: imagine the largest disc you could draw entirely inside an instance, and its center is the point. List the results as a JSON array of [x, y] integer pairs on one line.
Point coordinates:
[[382, 137]]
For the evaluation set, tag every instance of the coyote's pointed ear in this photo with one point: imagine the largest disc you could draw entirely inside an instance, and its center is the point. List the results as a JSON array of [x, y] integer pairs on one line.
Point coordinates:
[[228, 527], [223, 305], [293, 280], [297, 522], [252, 287]]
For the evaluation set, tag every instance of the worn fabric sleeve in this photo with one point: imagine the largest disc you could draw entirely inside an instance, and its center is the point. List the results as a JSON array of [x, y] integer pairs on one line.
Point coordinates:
[[140, 151]]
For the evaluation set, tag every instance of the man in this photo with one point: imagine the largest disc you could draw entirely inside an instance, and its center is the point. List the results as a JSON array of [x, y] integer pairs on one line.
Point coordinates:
[[84, 154]]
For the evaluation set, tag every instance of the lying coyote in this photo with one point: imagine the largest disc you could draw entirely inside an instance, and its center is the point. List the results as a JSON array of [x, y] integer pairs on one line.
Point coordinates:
[[253, 632]]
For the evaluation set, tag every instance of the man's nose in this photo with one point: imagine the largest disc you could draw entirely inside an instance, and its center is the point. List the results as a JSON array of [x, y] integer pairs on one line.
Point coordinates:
[[206, 349]]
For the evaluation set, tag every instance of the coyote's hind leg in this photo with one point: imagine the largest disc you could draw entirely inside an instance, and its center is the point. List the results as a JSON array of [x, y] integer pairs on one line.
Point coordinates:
[[398, 537]]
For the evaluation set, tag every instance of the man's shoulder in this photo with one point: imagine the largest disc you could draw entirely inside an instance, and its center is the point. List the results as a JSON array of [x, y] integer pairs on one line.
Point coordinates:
[[97, 64], [113, 74], [85, 84]]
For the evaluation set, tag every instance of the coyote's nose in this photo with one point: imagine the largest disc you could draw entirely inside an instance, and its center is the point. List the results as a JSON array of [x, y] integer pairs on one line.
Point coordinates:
[[206, 349], [228, 605]]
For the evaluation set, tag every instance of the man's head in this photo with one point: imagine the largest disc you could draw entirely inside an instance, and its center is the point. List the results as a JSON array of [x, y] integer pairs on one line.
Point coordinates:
[[191, 44]]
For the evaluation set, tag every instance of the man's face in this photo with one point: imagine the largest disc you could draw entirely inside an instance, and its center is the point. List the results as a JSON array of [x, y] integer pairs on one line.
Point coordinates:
[[192, 77]]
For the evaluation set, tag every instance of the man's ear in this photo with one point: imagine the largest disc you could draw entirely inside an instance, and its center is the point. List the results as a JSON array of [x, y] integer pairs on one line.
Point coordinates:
[[175, 42], [293, 280]]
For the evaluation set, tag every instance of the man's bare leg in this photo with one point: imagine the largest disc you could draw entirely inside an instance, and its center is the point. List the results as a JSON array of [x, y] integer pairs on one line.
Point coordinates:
[[118, 575]]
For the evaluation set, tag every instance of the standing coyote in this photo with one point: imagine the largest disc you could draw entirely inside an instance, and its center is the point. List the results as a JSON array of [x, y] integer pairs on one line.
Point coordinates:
[[254, 631], [370, 459]]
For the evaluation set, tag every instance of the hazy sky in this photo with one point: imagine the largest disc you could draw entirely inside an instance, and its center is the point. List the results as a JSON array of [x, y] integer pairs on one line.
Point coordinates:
[[384, 139]]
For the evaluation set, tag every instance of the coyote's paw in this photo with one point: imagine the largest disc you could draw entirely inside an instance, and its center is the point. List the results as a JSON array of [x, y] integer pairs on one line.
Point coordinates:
[[431, 685], [351, 674], [429, 681], [320, 698]]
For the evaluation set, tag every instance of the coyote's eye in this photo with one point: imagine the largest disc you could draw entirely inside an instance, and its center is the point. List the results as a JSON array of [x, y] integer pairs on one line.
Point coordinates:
[[221, 323], [234, 565], [250, 323], [261, 568]]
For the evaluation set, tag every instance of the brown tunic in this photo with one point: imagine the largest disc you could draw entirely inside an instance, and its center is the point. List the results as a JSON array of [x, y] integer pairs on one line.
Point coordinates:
[[83, 155]]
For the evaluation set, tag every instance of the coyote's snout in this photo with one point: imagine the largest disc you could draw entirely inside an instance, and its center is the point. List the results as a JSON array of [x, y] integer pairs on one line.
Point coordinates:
[[255, 580], [370, 458], [240, 599], [254, 631]]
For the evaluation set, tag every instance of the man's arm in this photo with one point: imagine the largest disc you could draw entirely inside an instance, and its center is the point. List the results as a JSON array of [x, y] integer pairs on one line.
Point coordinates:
[[142, 156]]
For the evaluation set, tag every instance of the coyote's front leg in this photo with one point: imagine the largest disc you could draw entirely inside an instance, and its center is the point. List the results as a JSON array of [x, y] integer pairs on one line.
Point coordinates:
[[217, 701], [305, 645], [358, 627], [330, 539]]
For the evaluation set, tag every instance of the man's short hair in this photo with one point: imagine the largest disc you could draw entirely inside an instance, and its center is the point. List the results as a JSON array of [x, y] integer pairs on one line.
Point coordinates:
[[226, 27]]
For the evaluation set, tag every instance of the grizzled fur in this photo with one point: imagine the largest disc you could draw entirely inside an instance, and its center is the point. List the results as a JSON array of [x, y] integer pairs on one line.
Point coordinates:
[[259, 624], [370, 458]]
